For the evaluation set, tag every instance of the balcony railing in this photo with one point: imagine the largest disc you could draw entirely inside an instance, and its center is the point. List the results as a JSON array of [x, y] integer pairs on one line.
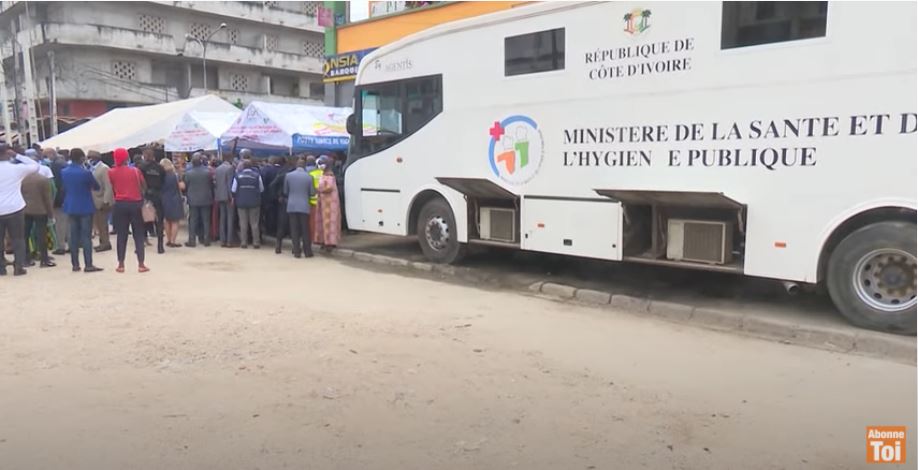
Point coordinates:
[[253, 11], [108, 36], [6, 5], [248, 96], [149, 93], [141, 41], [231, 53]]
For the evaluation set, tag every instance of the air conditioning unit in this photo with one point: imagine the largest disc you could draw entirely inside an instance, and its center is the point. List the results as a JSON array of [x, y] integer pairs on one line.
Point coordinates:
[[497, 224], [700, 241]]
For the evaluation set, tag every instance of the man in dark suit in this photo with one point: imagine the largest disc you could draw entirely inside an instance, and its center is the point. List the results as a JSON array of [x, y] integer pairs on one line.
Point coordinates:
[[277, 187], [269, 201], [199, 188], [61, 229], [154, 176]]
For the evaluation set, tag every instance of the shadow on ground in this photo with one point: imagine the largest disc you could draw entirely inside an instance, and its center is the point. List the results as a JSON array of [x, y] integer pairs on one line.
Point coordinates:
[[513, 269]]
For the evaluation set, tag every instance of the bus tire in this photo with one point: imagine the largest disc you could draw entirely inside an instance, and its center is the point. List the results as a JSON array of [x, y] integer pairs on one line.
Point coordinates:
[[437, 233], [871, 277]]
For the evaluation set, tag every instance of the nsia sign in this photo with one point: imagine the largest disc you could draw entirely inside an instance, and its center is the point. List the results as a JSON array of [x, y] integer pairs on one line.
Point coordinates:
[[343, 66]]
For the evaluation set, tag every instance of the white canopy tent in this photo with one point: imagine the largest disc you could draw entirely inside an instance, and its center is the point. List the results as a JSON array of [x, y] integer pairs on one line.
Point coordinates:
[[289, 126], [199, 130], [132, 127]]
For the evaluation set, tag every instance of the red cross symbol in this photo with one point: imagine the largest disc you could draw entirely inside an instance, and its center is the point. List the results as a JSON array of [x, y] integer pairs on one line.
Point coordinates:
[[496, 131]]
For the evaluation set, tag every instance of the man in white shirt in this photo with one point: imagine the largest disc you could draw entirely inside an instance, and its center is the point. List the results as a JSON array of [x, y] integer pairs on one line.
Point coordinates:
[[12, 220]]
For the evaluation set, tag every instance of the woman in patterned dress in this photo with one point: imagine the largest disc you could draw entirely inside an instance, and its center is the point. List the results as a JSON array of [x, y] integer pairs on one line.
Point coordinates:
[[328, 228]]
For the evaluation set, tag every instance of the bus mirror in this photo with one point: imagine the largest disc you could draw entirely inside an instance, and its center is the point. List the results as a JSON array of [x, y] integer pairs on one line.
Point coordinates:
[[352, 125]]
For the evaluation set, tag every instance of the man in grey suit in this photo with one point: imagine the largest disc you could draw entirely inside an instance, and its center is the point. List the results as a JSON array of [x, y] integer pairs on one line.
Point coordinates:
[[103, 199], [298, 188], [199, 188], [222, 194]]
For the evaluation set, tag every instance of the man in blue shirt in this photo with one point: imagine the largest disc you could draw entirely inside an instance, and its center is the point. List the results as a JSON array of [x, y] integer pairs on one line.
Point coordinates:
[[79, 184]]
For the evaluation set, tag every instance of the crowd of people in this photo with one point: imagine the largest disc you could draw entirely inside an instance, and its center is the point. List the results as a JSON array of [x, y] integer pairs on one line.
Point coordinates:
[[54, 202]]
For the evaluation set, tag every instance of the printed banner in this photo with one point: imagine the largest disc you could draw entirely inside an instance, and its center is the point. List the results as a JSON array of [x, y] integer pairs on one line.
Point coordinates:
[[289, 125], [312, 142], [325, 17], [199, 131]]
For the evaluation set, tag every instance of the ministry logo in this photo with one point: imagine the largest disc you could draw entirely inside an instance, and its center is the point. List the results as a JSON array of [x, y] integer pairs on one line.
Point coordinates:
[[515, 150]]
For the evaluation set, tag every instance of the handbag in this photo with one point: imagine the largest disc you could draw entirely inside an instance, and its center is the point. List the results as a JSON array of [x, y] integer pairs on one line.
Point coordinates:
[[148, 211]]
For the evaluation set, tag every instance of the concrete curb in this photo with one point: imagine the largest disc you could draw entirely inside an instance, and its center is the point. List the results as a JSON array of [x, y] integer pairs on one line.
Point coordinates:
[[394, 261], [862, 342], [558, 290]]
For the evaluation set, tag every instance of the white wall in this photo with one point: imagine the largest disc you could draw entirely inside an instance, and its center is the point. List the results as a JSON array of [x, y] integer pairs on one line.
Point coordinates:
[[89, 76]]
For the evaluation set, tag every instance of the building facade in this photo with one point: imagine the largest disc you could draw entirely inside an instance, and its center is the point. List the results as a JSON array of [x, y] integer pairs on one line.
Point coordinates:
[[346, 45], [90, 57]]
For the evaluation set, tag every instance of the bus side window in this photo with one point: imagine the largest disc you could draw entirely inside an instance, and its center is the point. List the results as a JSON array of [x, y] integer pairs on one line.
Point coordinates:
[[541, 51], [423, 102], [370, 113], [754, 23]]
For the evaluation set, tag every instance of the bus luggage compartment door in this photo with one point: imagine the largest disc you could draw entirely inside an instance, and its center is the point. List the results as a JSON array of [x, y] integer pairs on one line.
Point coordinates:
[[381, 211], [572, 226]]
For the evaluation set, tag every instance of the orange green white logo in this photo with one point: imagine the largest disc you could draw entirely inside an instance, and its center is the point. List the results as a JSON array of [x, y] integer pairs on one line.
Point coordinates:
[[515, 149], [637, 21], [886, 444]]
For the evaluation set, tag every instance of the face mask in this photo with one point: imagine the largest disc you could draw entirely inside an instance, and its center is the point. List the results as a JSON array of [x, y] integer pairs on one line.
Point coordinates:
[[321, 166]]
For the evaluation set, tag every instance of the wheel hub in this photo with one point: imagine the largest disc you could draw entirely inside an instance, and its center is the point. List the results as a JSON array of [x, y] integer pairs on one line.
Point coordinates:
[[437, 233], [886, 280]]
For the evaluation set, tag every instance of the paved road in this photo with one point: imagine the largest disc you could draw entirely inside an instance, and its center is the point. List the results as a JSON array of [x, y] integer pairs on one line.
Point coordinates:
[[241, 359]]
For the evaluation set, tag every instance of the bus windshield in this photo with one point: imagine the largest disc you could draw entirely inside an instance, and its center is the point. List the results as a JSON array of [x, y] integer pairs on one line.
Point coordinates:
[[386, 113]]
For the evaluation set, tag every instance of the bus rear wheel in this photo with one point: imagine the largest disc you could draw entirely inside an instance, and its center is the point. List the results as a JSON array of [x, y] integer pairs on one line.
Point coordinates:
[[872, 277], [437, 233]]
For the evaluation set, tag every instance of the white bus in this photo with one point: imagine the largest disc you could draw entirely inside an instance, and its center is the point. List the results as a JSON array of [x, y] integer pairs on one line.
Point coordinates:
[[768, 139]]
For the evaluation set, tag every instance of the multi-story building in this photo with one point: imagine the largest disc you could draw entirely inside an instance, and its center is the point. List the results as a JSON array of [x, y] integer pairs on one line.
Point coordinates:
[[90, 57]]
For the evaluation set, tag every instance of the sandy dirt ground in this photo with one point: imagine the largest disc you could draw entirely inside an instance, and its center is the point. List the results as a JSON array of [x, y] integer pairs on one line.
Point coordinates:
[[232, 359]]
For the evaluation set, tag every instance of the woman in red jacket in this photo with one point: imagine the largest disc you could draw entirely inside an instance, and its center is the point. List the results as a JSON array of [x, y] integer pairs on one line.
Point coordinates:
[[128, 186]]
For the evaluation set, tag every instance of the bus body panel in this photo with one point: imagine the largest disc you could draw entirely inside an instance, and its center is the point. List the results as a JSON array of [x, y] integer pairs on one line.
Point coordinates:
[[796, 191], [558, 226]]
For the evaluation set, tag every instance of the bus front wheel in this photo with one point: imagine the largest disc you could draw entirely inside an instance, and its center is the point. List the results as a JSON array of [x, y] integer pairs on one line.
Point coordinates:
[[437, 233], [872, 277]]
